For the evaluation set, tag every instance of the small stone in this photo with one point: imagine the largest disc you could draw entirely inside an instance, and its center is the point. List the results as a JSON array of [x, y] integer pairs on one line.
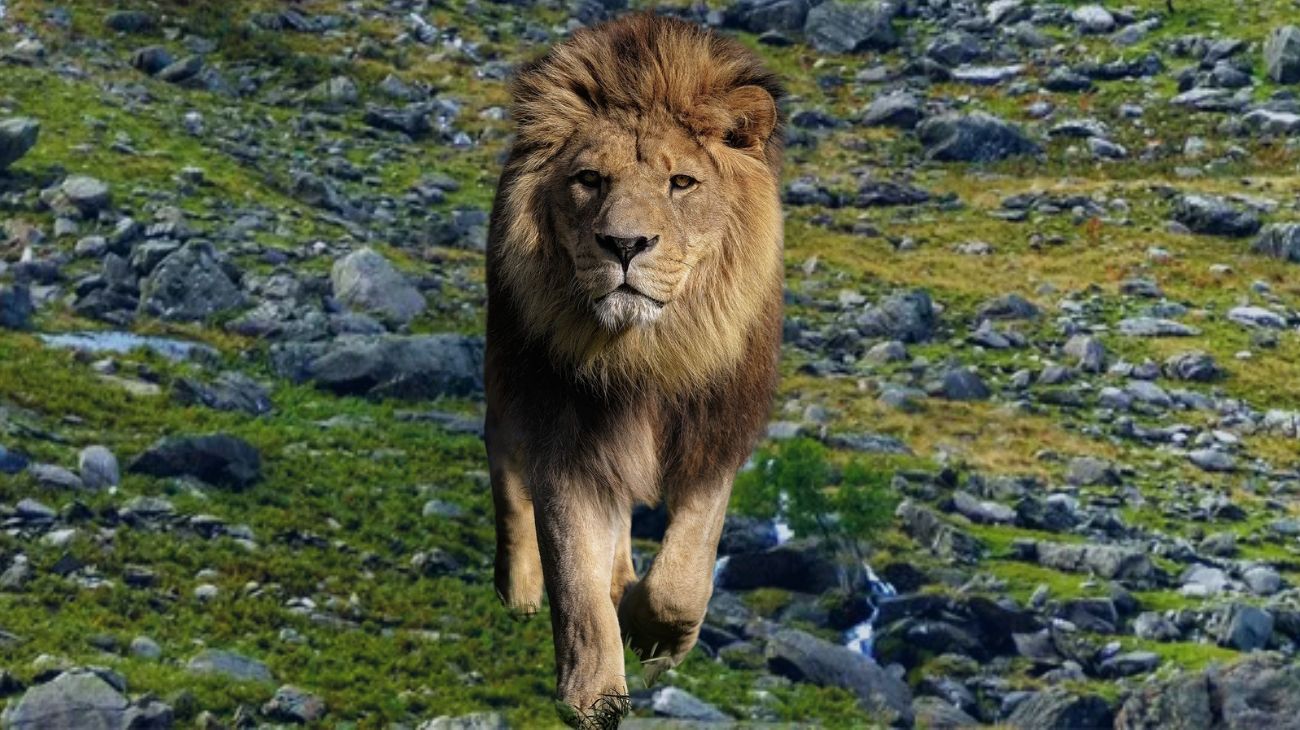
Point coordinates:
[[291, 704], [17, 137], [98, 467]]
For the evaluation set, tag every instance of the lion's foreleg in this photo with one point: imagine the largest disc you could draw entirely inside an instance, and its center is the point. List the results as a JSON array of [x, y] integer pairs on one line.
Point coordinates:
[[518, 573], [578, 533], [661, 616], [624, 574]]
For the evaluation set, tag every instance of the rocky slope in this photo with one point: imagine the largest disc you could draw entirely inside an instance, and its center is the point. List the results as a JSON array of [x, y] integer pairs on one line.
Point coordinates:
[[1041, 276]]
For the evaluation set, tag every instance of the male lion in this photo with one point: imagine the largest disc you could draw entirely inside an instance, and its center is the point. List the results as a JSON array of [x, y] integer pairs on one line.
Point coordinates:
[[634, 321]]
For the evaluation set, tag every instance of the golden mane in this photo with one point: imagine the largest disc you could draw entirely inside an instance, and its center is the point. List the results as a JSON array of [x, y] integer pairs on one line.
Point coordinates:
[[637, 71]]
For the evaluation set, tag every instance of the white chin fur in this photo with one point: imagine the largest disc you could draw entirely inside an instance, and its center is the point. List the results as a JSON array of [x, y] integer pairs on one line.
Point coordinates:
[[622, 310]]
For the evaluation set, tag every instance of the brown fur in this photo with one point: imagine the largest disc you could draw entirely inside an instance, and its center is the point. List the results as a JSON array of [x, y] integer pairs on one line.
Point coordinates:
[[598, 399]]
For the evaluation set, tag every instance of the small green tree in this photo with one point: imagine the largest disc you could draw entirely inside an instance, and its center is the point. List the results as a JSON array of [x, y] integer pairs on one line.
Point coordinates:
[[794, 481]]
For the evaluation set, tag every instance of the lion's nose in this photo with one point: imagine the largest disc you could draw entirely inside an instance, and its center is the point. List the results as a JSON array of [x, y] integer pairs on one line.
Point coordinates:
[[627, 249]]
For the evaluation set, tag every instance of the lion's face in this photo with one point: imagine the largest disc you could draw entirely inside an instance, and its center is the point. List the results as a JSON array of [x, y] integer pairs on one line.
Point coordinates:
[[636, 212]]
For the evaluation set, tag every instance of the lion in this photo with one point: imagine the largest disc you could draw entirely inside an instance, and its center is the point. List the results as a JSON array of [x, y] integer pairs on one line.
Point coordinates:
[[634, 321]]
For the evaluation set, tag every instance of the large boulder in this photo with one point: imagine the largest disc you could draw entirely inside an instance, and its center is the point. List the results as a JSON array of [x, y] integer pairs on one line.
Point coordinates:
[[760, 16], [936, 534], [1260, 692], [1212, 215], [1280, 241], [230, 665], [74, 700], [189, 285], [1059, 708], [366, 281], [1282, 55], [795, 567], [1112, 562], [975, 137], [905, 316], [803, 657], [416, 367], [16, 307], [839, 27], [17, 136], [218, 459]]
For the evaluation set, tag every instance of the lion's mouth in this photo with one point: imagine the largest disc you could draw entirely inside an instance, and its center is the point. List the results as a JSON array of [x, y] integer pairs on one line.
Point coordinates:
[[630, 290]]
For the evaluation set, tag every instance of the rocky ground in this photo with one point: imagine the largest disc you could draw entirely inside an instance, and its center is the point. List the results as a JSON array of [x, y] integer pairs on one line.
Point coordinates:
[[1042, 277]]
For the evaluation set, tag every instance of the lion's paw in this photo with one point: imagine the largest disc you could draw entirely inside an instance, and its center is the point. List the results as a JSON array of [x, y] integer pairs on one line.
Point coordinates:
[[605, 713]]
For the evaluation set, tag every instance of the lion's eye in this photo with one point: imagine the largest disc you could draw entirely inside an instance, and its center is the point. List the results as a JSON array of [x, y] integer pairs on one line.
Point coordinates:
[[682, 182], [588, 178]]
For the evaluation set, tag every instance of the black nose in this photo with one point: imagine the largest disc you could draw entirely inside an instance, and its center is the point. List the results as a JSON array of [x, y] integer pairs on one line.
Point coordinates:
[[627, 249]]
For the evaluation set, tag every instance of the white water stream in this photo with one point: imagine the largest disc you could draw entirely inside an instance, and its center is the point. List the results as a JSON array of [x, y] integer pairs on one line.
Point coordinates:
[[860, 638]]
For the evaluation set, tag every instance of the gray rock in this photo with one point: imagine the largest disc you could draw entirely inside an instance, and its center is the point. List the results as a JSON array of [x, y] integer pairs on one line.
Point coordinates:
[[1154, 627], [1247, 628], [1087, 471], [905, 316], [1280, 241], [17, 137], [145, 648], [1282, 55], [335, 93], [982, 511], [130, 21], [183, 70], [682, 705], [803, 657], [189, 285], [231, 391], [1258, 317], [1008, 307], [1262, 580], [230, 665], [1088, 352], [1093, 19], [88, 194], [935, 714], [74, 700], [963, 384], [794, 566], [54, 477], [760, 16], [16, 308], [1129, 664], [1195, 366], [366, 281], [1059, 708], [1260, 692], [1155, 327], [1212, 215], [416, 367], [98, 467], [1212, 460], [291, 704], [975, 137], [218, 459], [900, 109], [839, 27], [1113, 562], [935, 534], [473, 721], [151, 59]]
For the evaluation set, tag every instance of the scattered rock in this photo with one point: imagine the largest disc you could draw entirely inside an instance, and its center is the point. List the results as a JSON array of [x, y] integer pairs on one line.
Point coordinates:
[[73, 699], [975, 137], [189, 285], [290, 704], [840, 27], [803, 657], [1281, 55], [18, 136], [219, 460], [366, 281], [229, 665], [1215, 216], [98, 467]]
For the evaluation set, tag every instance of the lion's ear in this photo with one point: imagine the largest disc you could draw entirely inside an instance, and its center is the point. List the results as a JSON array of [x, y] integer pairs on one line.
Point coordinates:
[[753, 114]]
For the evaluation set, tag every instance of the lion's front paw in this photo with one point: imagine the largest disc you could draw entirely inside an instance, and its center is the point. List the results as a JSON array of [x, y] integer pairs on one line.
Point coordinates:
[[661, 638], [605, 712]]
